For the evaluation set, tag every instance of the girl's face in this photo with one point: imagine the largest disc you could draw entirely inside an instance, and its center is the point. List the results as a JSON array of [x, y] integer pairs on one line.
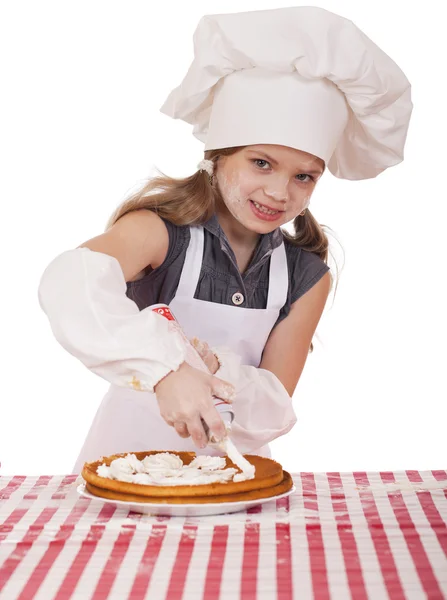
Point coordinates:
[[265, 186]]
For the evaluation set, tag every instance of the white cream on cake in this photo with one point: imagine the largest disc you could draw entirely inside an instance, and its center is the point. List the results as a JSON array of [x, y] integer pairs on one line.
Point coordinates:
[[248, 470], [165, 468], [163, 461], [227, 446]]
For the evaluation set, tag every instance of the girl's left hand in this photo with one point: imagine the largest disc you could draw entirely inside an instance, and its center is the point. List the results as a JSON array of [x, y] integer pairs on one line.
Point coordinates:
[[206, 354]]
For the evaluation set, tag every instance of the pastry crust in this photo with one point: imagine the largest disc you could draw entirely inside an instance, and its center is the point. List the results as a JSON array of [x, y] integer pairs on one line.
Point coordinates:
[[284, 486], [268, 474]]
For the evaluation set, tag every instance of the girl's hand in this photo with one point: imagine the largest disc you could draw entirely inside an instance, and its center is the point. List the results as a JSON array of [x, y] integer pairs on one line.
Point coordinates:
[[185, 397], [206, 354]]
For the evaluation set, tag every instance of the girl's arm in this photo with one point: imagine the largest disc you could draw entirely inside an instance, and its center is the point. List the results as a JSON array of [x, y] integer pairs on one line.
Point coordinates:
[[83, 293], [287, 348], [138, 240]]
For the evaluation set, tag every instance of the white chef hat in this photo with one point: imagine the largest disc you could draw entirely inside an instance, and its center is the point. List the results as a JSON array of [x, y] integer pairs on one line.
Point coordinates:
[[301, 77]]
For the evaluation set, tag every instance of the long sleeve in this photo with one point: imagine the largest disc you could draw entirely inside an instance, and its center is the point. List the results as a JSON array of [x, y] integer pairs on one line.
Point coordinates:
[[263, 409], [83, 294]]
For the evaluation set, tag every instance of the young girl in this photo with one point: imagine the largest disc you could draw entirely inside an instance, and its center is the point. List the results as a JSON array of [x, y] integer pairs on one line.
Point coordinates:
[[277, 96]]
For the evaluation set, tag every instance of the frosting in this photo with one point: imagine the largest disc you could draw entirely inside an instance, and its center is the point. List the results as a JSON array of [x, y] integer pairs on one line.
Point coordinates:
[[121, 469], [248, 470], [210, 463], [227, 446], [163, 461], [165, 468]]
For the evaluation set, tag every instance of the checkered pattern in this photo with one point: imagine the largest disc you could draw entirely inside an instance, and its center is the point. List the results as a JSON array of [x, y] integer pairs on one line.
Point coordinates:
[[341, 535]]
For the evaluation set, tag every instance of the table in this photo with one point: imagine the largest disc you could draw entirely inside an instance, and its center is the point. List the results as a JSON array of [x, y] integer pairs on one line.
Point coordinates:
[[340, 535]]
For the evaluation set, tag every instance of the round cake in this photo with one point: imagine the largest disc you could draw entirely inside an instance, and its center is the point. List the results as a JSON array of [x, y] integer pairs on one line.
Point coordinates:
[[270, 480]]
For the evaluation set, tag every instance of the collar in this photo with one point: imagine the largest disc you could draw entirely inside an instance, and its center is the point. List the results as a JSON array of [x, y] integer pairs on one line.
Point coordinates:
[[267, 241]]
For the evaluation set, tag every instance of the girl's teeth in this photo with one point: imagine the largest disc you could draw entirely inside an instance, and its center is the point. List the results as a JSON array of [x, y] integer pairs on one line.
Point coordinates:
[[265, 210]]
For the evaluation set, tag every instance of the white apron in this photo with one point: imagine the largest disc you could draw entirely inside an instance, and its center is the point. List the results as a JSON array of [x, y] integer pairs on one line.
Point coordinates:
[[128, 420]]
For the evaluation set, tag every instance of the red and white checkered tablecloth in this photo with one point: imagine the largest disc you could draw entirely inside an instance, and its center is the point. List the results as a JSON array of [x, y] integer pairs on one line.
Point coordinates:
[[341, 535]]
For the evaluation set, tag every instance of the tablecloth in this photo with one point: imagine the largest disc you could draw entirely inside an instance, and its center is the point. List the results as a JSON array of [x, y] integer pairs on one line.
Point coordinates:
[[340, 535]]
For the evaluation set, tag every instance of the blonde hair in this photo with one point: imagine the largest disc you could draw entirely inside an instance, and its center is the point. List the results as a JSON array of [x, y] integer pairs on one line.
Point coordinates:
[[192, 200]]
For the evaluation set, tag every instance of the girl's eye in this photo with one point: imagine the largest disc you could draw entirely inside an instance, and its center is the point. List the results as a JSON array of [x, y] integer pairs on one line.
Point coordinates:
[[261, 160], [305, 175]]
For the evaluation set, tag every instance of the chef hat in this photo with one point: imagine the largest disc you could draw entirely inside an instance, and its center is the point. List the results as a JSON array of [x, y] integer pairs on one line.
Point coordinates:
[[301, 77]]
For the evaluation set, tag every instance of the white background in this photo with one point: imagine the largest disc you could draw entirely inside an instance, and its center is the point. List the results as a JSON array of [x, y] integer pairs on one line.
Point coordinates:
[[82, 86]]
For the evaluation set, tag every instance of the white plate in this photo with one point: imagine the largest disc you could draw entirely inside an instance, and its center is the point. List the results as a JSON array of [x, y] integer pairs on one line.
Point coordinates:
[[184, 510]]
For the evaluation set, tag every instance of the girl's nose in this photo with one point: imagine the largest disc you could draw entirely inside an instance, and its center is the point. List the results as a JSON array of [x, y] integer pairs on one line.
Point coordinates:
[[278, 194], [276, 187]]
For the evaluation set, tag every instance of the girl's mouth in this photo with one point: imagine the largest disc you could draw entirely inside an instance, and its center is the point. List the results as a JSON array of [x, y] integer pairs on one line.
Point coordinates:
[[264, 213]]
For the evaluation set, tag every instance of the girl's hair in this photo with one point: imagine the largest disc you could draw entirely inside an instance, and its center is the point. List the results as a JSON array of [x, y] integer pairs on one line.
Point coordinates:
[[192, 201]]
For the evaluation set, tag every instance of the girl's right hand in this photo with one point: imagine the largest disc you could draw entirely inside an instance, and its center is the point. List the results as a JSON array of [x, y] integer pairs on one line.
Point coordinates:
[[185, 397]]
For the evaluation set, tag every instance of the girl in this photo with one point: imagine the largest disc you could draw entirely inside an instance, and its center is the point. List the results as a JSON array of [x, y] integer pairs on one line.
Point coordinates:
[[277, 97]]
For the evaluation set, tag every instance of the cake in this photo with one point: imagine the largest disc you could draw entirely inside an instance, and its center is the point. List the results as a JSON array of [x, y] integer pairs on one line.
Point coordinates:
[[269, 478]]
